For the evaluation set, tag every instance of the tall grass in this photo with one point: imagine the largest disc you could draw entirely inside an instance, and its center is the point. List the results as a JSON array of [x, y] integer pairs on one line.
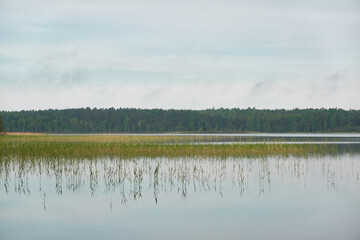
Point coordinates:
[[128, 163], [125, 146], [157, 176]]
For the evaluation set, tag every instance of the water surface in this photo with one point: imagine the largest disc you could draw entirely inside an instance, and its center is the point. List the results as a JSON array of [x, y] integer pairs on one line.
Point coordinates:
[[315, 197]]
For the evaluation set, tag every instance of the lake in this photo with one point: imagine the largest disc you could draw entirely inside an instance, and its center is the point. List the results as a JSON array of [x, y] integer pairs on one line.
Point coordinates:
[[274, 197]]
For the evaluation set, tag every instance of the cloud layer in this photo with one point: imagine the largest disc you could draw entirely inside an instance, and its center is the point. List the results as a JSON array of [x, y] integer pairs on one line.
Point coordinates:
[[266, 94], [179, 54]]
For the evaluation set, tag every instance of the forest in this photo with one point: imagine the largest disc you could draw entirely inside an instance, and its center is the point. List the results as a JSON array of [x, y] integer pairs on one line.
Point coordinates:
[[131, 120]]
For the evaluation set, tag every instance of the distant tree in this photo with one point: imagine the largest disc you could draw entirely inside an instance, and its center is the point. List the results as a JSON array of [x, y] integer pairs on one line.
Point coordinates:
[[86, 120], [1, 129]]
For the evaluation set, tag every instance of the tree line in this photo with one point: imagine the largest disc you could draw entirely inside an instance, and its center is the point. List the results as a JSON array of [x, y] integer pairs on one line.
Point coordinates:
[[129, 120], [1, 129]]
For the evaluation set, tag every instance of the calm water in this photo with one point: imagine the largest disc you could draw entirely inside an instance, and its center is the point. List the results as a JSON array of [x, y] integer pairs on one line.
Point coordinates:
[[186, 198]]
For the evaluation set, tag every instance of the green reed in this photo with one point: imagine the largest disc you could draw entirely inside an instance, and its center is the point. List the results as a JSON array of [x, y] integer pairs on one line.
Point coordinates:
[[127, 146], [129, 177]]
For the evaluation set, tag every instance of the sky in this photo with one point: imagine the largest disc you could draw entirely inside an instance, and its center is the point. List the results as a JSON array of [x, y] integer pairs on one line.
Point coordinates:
[[179, 54]]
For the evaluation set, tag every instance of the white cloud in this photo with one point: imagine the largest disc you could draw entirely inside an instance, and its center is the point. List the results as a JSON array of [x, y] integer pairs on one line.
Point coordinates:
[[267, 94], [179, 54]]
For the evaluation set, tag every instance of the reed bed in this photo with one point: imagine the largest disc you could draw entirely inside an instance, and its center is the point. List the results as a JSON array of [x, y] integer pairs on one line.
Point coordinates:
[[162, 175], [108, 138], [127, 146]]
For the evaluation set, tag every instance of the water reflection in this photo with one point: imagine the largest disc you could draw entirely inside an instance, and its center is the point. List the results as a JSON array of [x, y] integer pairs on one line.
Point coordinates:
[[130, 179]]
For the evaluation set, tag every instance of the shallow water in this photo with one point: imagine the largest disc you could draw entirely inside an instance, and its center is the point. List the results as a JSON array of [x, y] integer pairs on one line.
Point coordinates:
[[181, 198]]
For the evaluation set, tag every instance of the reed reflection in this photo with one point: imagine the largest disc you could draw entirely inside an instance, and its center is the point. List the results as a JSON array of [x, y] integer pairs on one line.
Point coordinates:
[[132, 178]]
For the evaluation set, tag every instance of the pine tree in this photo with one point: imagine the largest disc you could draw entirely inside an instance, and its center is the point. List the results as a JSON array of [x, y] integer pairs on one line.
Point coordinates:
[[1, 129]]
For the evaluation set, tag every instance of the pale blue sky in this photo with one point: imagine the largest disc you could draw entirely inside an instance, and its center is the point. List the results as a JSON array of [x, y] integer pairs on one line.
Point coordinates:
[[179, 54]]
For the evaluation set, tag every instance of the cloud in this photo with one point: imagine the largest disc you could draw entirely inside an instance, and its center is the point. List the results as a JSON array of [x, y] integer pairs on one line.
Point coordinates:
[[271, 94], [261, 87], [179, 54]]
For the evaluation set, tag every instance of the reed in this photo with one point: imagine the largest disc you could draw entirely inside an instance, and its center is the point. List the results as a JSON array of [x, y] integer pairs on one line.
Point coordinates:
[[129, 177], [127, 146]]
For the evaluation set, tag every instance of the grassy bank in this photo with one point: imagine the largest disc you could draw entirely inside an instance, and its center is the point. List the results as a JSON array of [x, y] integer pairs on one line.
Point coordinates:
[[125, 146]]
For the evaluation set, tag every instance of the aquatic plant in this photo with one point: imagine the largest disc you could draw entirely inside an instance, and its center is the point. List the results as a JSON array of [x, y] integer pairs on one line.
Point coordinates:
[[130, 146], [130, 178]]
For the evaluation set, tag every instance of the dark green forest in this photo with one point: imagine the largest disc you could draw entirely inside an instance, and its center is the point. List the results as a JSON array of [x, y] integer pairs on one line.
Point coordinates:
[[1, 129], [125, 120]]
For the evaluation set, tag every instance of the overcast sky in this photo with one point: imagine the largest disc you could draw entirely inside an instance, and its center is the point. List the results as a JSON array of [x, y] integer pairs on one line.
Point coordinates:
[[179, 54]]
